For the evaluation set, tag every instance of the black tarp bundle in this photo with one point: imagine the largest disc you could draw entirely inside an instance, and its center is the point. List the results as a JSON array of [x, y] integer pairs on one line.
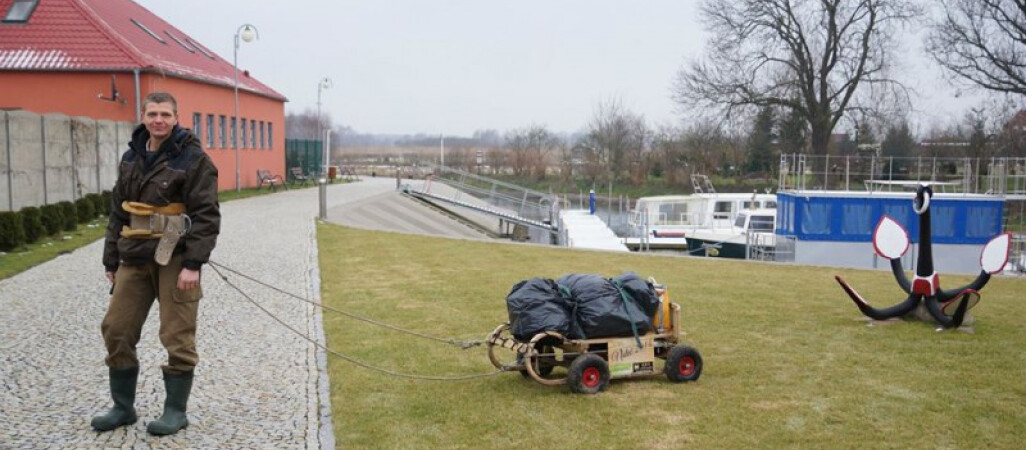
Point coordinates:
[[582, 306]]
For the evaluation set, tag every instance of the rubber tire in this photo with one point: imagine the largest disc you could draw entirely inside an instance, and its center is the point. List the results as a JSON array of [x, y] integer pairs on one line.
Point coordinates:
[[543, 370], [589, 374], [683, 363]]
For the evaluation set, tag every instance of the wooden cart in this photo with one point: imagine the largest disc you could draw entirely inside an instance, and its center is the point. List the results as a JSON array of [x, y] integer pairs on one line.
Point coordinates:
[[591, 363]]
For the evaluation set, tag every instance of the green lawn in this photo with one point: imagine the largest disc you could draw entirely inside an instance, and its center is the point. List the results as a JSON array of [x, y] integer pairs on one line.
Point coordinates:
[[787, 362], [47, 248]]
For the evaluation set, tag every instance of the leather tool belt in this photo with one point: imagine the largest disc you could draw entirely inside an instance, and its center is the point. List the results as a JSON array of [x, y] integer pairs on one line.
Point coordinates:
[[167, 223]]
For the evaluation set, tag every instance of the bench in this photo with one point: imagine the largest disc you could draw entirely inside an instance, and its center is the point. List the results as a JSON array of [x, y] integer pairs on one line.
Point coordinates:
[[298, 176], [264, 178]]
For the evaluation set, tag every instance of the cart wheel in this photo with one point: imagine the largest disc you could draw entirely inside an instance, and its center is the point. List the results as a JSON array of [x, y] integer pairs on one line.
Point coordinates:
[[589, 374], [683, 363], [543, 365]]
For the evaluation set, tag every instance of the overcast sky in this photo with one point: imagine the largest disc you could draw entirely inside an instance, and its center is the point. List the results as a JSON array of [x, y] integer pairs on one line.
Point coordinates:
[[456, 66]]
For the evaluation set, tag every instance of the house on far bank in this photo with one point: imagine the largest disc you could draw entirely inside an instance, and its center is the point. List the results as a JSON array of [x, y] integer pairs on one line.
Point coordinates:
[[99, 58]]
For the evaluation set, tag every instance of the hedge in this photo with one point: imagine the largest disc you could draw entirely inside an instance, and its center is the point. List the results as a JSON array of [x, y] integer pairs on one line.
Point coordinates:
[[69, 214], [97, 201], [108, 199], [32, 222], [12, 232], [86, 211], [53, 218]]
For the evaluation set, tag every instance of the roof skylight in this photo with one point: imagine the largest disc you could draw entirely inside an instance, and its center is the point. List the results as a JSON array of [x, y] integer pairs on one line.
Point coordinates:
[[200, 48], [20, 10], [149, 31], [179, 41]]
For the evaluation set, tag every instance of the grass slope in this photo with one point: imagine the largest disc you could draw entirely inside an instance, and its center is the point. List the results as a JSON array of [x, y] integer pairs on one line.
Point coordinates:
[[786, 362]]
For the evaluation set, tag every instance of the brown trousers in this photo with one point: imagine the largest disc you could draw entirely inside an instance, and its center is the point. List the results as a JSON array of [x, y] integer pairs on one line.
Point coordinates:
[[135, 288]]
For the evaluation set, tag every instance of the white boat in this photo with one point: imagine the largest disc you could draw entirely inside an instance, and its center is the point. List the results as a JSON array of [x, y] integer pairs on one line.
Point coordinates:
[[750, 236], [674, 221]]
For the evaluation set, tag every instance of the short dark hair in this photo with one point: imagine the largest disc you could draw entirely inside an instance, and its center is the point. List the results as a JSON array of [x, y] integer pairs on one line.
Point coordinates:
[[160, 97]]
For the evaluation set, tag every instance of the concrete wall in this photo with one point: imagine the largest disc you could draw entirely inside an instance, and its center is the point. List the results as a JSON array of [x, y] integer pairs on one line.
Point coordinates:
[[49, 158]]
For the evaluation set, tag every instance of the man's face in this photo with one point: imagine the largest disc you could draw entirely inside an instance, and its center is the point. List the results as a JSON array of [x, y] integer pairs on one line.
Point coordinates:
[[159, 119]]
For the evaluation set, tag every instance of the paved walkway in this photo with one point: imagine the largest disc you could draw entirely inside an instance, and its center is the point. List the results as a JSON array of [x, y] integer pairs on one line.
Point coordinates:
[[257, 384]]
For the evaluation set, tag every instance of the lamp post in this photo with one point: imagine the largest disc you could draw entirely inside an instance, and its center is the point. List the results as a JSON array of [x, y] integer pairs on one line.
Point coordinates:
[[322, 190], [325, 83], [247, 33]]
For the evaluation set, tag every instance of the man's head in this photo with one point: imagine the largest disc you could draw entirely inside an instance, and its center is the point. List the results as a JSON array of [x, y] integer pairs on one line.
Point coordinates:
[[160, 115]]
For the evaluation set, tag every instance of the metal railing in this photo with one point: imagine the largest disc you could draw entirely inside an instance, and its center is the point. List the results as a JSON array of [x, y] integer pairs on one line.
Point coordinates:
[[995, 176], [524, 202]]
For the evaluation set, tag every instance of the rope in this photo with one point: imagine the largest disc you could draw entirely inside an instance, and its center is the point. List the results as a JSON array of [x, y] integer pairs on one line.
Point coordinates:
[[461, 344], [325, 348]]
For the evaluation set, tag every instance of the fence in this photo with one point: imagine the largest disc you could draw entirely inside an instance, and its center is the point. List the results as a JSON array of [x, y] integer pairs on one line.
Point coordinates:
[[50, 158], [304, 153], [996, 176]]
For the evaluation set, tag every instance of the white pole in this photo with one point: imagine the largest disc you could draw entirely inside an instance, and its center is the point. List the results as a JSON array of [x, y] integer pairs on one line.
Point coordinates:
[[246, 32], [235, 65]]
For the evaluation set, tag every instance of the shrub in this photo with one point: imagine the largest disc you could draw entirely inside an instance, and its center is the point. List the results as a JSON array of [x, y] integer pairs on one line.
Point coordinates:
[[97, 201], [32, 222], [85, 210], [12, 233], [53, 219], [108, 197], [69, 214]]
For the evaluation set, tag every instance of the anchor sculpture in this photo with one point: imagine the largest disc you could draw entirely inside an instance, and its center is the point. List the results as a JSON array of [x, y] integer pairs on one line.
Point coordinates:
[[947, 307]]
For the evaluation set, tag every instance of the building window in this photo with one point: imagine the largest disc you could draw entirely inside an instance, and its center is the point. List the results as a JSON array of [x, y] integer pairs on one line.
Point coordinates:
[[270, 135], [20, 11], [197, 125], [235, 138], [261, 134], [252, 133], [149, 31], [243, 131], [210, 131], [221, 125]]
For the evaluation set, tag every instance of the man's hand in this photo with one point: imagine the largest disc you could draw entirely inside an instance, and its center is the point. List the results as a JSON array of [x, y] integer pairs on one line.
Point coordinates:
[[188, 279], [110, 276]]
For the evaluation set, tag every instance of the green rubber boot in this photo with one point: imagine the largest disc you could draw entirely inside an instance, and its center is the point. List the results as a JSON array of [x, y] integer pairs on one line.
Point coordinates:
[[122, 391], [178, 387]]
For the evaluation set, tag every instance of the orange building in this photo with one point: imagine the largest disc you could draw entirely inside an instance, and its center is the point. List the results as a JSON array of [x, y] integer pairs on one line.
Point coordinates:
[[99, 58]]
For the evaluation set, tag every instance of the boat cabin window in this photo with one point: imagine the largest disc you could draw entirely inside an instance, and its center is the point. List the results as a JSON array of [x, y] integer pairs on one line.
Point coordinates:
[[770, 204], [723, 210], [673, 212], [749, 205], [761, 223], [739, 222]]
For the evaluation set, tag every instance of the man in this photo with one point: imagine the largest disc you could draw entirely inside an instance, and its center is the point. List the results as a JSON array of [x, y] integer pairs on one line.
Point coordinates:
[[164, 223]]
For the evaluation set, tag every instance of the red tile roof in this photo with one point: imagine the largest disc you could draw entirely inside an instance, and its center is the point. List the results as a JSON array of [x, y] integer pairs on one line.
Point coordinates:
[[91, 35]]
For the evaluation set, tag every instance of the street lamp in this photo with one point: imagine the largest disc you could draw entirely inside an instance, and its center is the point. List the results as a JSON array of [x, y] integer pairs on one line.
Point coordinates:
[[325, 83], [322, 190], [247, 33]]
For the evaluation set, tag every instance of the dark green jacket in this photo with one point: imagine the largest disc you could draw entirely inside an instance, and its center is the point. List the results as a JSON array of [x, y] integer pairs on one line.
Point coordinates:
[[181, 173]]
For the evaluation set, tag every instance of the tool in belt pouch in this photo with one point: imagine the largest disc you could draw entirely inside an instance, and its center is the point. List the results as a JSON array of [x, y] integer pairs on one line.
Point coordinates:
[[167, 223]]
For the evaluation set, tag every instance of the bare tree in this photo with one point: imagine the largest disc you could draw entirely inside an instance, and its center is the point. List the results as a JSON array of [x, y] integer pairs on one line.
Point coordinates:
[[528, 150], [670, 154], [304, 125], [617, 137], [705, 146], [984, 42], [810, 56]]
